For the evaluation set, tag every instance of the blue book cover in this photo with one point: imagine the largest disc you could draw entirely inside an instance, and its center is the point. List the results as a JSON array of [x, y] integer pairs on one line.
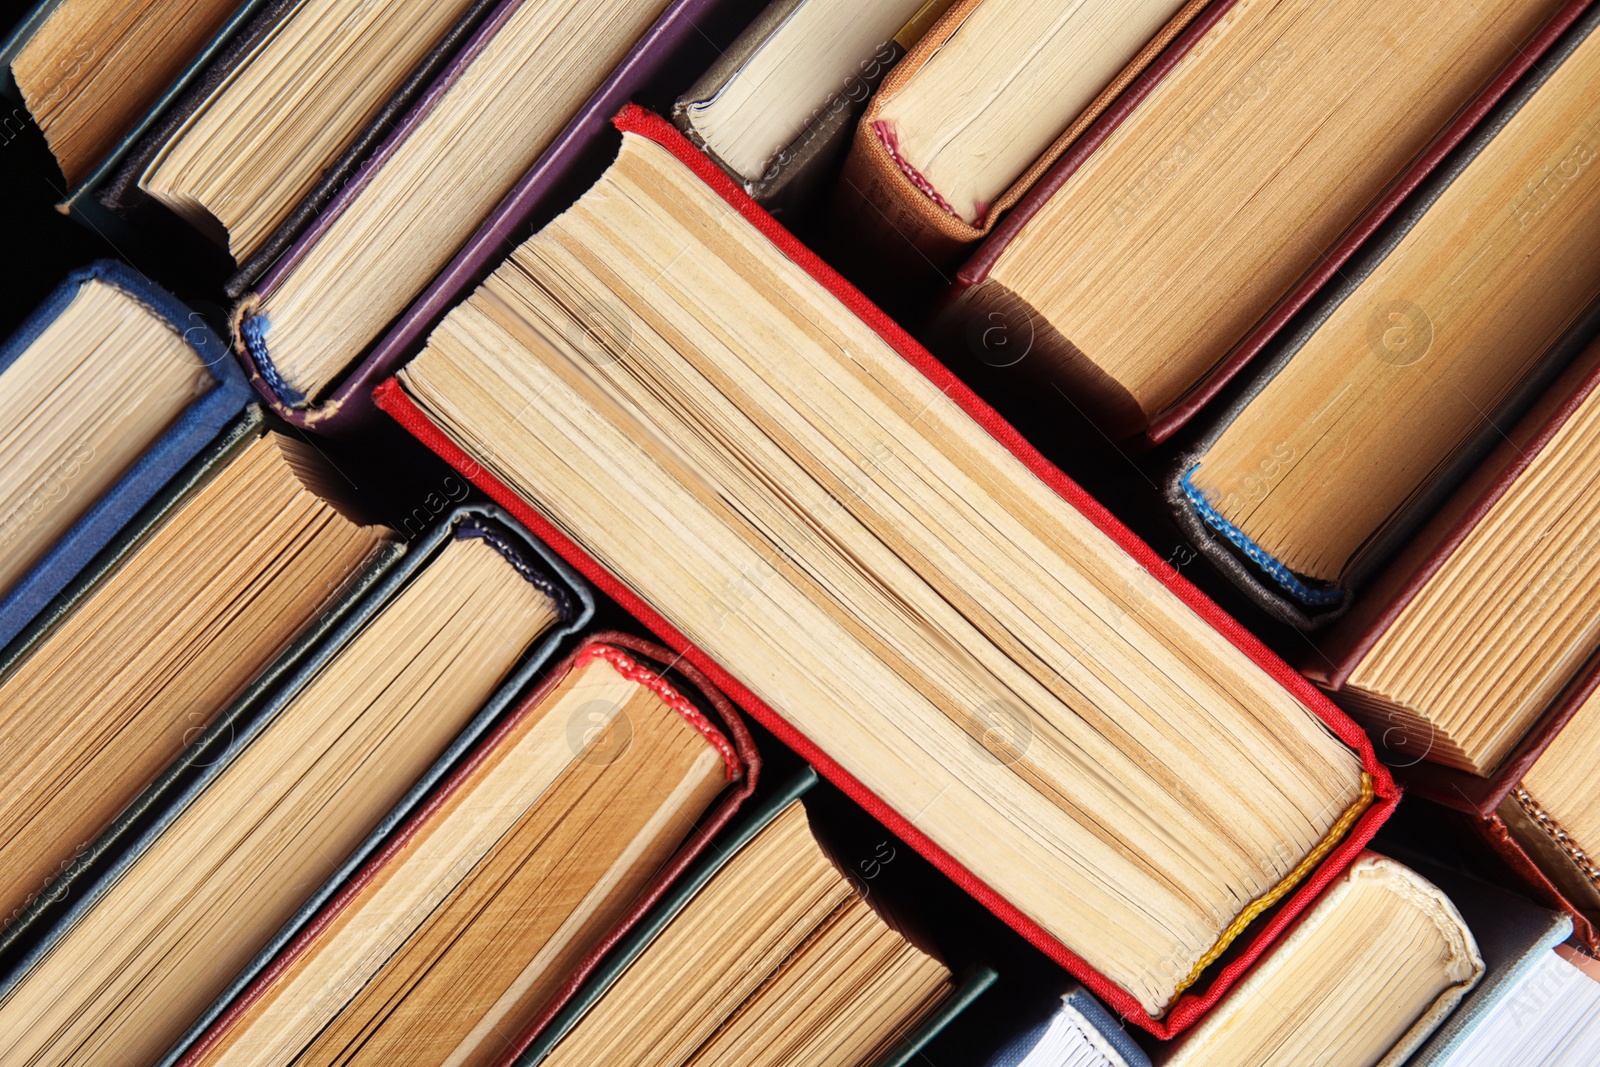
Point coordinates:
[[201, 423]]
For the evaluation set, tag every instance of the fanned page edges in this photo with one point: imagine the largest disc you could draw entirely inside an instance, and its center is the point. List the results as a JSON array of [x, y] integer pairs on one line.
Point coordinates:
[[107, 165], [1582, 862], [876, 139], [1463, 969], [250, 328], [1371, 614], [345, 406], [1428, 551], [1362, 820], [635, 659], [188, 324], [1289, 596], [340, 170], [974, 272], [1480, 797], [1358, 823]]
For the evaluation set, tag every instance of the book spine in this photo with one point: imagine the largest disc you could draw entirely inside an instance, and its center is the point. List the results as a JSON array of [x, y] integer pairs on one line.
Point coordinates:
[[1511, 846], [886, 233]]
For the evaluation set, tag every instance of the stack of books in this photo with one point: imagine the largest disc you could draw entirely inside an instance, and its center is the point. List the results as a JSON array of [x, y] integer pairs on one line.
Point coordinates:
[[1112, 490]]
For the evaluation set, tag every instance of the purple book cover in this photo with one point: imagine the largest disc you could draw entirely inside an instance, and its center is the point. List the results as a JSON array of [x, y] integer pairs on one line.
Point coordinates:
[[683, 37]]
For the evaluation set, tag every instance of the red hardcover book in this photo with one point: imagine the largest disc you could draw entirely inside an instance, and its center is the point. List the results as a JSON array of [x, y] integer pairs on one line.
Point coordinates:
[[1192, 1004], [680, 688]]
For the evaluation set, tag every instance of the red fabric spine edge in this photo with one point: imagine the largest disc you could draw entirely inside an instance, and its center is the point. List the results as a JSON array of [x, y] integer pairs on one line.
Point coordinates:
[[393, 400], [675, 700], [634, 119], [744, 770], [891, 145], [975, 270]]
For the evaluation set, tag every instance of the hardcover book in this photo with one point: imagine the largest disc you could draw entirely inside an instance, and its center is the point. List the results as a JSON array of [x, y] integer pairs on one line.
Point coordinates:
[[1546, 826], [202, 599], [92, 74], [675, 46], [510, 91], [1512, 1007], [106, 391], [278, 800], [776, 109], [977, 112], [273, 126], [771, 955], [1474, 647], [1363, 979], [122, 67], [1078, 1033], [934, 717], [1402, 376], [1225, 187], [487, 907]]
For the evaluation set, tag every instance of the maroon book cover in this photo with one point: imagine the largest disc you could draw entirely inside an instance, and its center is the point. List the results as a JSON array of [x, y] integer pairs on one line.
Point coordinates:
[[1167, 423], [1371, 615]]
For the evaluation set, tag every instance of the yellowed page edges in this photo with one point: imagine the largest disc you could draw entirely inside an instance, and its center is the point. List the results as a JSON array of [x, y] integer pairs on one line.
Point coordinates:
[[1335, 834]]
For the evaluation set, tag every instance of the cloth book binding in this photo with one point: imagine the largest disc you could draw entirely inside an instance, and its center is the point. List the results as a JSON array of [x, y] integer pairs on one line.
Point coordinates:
[[744, 765], [1264, 579], [347, 409], [1189, 1007], [1512, 935], [1398, 584], [1079, 1033], [33, 935], [196, 428], [536, 1045], [975, 269]]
